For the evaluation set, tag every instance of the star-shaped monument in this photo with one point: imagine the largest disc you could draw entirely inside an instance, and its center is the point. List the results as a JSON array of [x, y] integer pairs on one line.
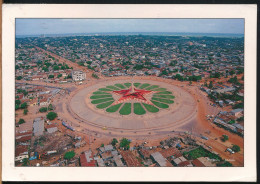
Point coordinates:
[[132, 94]]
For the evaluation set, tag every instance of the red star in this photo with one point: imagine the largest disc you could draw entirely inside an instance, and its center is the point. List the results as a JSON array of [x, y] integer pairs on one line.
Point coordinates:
[[129, 94]]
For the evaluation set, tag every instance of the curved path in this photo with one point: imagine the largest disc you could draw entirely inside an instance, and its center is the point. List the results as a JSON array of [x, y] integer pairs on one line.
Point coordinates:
[[181, 112]]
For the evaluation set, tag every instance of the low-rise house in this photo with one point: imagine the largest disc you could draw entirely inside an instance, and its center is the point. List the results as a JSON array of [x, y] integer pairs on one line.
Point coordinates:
[[51, 128], [130, 159], [237, 112], [87, 160], [160, 160]]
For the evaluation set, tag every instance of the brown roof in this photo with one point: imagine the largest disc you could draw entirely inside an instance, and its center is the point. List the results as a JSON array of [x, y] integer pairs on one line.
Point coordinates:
[[147, 153], [197, 163], [171, 152], [184, 163], [50, 126], [24, 133], [20, 149], [130, 159], [24, 138]]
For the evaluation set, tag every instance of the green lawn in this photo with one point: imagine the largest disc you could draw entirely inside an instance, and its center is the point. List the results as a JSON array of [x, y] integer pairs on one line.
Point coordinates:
[[105, 89], [164, 93], [200, 152], [114, 108], [163, 100], [127, 84], [100, 96], [138, 109], [160, 89], [137, 84], [100, 93], [160, 105], [164, 96], [101, 100], [104, 105], [144, 86], [152, 87], [126, 109], [113, 88], [121, 86], [150, 108]]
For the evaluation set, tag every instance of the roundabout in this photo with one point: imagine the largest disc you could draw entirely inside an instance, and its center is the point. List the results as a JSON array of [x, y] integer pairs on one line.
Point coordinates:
[[133, 106]]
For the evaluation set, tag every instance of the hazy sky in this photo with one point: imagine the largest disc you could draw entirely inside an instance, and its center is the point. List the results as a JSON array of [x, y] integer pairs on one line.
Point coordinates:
[[60, 26]]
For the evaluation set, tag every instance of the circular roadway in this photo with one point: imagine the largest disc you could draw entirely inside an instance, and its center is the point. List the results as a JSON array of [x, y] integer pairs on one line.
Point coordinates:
[[181, 112]]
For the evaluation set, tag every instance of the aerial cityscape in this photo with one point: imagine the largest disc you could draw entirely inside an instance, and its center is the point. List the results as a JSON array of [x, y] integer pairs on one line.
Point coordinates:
[[129, 93]]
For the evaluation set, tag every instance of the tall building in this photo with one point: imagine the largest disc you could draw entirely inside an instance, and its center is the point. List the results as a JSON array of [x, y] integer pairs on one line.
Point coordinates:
[[78, 75]]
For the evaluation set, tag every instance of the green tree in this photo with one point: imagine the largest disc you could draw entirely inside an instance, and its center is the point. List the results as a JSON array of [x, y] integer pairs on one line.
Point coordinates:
[[19, 77], [124, 143], [211, 85], [25, 111], [21, 121], [50, 76], [60, 75], [50, 107], [51, 115], [102, 145], [114, 141], [24, 105], [224, 138], [224, 164], [26, 162], [235, 148], [43, 109], [69, 155], [18, 102]]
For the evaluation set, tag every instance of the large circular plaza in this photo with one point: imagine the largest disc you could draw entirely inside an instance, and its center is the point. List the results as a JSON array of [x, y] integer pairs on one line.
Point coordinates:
[[133, 105]]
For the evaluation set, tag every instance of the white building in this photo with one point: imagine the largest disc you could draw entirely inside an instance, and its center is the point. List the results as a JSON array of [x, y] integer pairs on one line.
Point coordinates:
[[78, 75]]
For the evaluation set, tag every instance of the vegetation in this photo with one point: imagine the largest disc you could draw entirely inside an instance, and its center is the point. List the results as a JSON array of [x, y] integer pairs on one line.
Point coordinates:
[[43, 109], [104, 105], [150, 108], [160, 89], [231, 121], [163, 93], [19, 77], [235, 148], [98, 101], [51, 115], [21, 121], [126, 109], [114, 108], [25, 111], [114, 141], [125, 143], [25, 162], [152, 87], [138, 109], [50, 107], [105, 89], [120, 86], [224, 164], [100, 93], [112, 87], [164, 96], [24, 105], [224, 138], [160, 105], [95, 76], [200, 152], [50, 76], [100, 96], [163, 100], [144, 86], [69, 155], [127, 84], [137, 84]]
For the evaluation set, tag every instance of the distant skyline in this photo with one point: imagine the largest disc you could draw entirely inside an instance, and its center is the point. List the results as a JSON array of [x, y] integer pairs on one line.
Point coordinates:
[[70, 26]]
